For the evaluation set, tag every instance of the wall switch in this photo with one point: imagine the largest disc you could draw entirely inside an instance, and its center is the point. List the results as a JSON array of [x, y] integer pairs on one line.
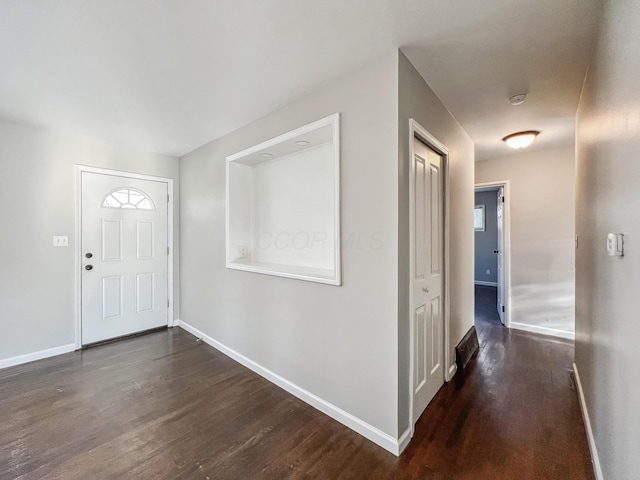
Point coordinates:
[[243, 251], [615, 244], [488, 272], [60, 241]]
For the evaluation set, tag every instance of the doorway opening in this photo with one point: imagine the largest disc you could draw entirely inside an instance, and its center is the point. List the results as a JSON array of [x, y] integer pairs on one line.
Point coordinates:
[[491, 257]]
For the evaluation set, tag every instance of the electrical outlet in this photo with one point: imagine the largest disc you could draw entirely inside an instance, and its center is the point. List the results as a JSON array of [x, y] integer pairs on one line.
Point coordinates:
[[488, 272], [60, 241], [243, 251]]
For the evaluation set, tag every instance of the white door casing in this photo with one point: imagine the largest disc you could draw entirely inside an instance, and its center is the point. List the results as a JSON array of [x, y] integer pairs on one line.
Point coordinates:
[[124, 227], [427, 260], [500, 259]]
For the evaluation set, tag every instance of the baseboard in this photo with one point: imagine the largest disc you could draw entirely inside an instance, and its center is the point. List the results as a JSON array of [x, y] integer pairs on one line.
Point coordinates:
[[452, 371], [486, 284], [368, 431], [32, 357], [543, 330], [404, 440], [597, 470]]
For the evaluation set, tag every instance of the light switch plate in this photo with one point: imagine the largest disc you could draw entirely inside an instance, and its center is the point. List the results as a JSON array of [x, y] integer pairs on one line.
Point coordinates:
[[615, 244], [60, 241]]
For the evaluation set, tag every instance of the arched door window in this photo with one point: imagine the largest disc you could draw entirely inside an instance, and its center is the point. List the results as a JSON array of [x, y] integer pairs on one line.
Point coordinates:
[[128, 198]]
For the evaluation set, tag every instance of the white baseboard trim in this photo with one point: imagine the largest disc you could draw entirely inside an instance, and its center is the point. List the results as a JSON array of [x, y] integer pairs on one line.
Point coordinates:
[[32, 357], [486, 284], [597, 470], [452, 371], [368, 431], [404, 440], [543, 330]]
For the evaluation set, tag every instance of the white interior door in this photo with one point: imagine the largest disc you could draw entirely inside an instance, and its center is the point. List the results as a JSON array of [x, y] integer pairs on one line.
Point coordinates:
[[427, 281], [124, 245], [501, 290]]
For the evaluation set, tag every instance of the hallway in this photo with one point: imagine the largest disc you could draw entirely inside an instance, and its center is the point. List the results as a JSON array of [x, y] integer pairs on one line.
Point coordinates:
[[512, 414], [165, 406]]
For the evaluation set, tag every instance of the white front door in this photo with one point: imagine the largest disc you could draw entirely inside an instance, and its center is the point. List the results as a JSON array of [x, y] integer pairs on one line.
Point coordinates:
[[427, 232], [124, 247], [500, 212]]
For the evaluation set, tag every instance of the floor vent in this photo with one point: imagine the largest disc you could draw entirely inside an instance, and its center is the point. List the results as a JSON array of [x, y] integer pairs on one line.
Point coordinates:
[[467, 347]]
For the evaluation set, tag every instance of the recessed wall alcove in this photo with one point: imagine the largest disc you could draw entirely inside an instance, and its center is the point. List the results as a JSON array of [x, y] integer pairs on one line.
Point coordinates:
[[283, 205]]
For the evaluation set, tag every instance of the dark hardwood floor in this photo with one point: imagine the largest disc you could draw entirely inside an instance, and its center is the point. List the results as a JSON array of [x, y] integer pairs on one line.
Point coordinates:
[[164, 406]]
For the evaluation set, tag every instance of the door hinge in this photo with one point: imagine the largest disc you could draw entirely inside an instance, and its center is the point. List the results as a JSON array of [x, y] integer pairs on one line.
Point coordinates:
[[168, 251], [167, 303], [502, 308], [167, 198], [502, 199]]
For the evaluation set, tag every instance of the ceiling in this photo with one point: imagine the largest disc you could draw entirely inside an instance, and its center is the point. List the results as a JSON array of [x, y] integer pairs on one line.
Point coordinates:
[[168, 76]]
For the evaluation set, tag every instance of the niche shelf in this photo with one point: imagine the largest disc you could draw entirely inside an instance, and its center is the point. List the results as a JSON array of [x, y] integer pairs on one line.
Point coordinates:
[[283, 205]]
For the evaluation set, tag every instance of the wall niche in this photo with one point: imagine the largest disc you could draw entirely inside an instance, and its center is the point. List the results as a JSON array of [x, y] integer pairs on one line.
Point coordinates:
[[283, 205]]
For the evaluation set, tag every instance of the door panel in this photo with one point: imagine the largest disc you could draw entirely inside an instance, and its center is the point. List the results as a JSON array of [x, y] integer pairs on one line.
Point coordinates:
[[144, 240], [124, 239], [111, 297], [419, 219], [420, 330], [111, 245], [427, 225], [435, 345], [145, 292], [436, 209]]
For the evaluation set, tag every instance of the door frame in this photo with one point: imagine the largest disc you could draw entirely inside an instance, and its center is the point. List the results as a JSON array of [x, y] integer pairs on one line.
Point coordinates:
[[78, 243], [506, 244], [417, 131]]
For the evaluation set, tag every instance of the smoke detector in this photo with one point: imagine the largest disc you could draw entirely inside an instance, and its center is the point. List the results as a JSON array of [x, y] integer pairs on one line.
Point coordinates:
[[517, 99]]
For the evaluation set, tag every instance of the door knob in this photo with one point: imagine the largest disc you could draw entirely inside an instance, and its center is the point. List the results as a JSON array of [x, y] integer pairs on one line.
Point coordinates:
[[496, 251], [88, 255], [89, 267], [425, 289]]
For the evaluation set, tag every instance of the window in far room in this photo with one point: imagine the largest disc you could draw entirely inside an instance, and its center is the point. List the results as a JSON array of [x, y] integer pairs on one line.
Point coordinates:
[[478, 218]]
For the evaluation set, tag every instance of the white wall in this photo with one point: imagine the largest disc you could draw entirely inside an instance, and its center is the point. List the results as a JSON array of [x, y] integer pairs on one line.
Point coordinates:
[[339, 343], [37, 198], [283, 209], [293, 205], [607, 200], [416, 100], [542, 236]]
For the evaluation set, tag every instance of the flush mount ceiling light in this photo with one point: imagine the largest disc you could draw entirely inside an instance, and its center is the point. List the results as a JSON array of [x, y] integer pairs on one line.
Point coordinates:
[[521, 139], [266, 155], [302, 143]]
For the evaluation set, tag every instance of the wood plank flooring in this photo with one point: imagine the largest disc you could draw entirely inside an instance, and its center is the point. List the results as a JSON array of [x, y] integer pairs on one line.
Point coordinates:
[[165, 406]]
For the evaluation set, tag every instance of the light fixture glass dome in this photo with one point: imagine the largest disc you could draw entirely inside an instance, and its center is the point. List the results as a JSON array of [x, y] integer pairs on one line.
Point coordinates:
[[521, 139]]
